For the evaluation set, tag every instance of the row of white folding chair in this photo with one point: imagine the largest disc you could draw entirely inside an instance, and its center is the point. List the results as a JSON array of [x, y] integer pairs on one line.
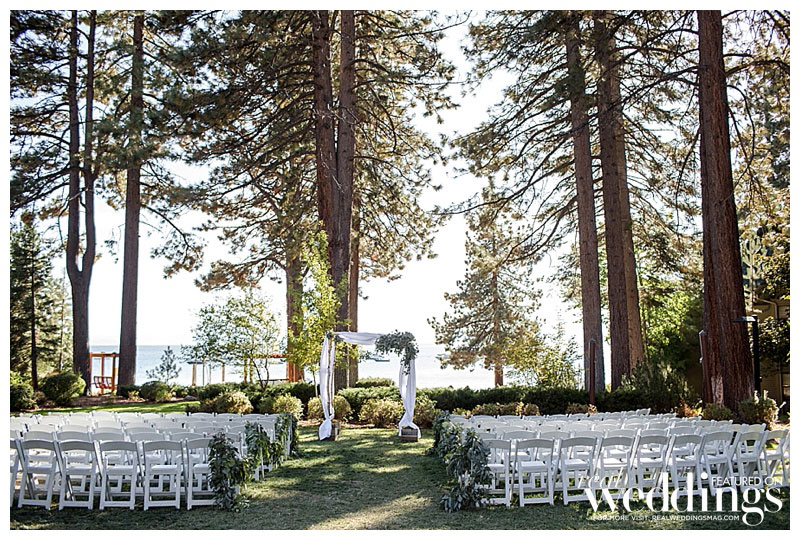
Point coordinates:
[[718, 454], [145, 468]]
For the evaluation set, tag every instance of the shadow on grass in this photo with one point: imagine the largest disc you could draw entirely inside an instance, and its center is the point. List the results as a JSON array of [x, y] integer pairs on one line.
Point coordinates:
[[367, 479]]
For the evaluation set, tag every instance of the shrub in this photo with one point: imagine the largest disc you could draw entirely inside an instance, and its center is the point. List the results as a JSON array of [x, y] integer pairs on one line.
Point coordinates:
[[155, 391], [124, 390], [234, 402], [663, 386], [211, 391], [622, 399], [341, 408], [21, 397], [62, 388], [581, 408], [759, 410], [180, 391], [357, 397], [285, 403], [381, 412], [262, 399], [528, 409], [372, 382], [39, 398], [684, 410], [463, 412], [712, 411], [424, 411]]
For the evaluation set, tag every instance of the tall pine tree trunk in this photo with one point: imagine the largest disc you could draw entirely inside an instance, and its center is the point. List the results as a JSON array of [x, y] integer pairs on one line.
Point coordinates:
[[130, 264], [355, 269], [32, 312], [623, 290], [723, 288], [80, 278], [294, 295], [329, 186], [587, 224]]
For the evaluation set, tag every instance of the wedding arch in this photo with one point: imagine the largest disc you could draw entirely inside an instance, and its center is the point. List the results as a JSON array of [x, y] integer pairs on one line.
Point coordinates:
[[402, 343]]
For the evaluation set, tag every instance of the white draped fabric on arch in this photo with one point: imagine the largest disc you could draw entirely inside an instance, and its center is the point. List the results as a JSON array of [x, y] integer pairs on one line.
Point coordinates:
[[407, 381]]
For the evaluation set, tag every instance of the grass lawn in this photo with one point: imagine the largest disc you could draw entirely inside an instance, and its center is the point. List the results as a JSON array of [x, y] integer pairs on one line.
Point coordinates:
[[365, 480]]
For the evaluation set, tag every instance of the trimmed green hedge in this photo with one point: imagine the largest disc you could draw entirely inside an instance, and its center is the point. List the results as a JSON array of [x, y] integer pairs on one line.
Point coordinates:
[[372, 382]]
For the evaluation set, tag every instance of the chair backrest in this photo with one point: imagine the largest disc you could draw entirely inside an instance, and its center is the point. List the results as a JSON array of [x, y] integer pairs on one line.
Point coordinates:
[[65, 435], [129, 417], [519, 435], [758, 428], [162, 452], [573, 447], [185, 436], [205, 415], [621, 433], [749, 442], [52, 420], [683, 430], [38, 435], [105, 425], [139, 429], [688, 444], [83, 449], [147, 436], [653, 432], [150, 416], [101, 436], [43, 448], [653, 443], [46, 428], [658, 425], [197, 449], [127, 450]]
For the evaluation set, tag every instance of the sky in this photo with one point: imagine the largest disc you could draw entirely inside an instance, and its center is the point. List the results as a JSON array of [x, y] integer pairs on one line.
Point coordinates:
[[167, 306]]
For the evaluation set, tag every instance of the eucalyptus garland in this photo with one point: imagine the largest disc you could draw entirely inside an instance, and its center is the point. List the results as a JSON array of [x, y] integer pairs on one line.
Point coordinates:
[[228, 470], [467, 460], [401, 343], [438, 423], [261, 448]]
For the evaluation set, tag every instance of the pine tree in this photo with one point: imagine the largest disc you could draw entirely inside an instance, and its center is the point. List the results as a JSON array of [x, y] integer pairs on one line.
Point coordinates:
[[490, 318]]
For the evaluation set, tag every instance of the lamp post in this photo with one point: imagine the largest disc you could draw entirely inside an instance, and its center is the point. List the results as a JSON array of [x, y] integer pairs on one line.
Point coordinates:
[[756, 359]]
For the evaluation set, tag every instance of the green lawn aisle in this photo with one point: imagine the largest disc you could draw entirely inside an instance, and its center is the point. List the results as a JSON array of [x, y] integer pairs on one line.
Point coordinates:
[[365, 480]]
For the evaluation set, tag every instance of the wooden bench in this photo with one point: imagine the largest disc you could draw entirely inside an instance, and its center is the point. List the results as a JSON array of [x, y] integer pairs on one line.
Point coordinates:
[[103, 383]]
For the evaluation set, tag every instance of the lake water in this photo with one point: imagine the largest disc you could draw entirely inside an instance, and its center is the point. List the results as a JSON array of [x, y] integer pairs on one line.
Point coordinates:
[[429, 371]]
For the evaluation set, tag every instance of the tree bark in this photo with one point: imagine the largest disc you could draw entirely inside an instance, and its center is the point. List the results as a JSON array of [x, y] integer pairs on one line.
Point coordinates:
[[355, 269], [130, 272], [587, 224], [294, 294], [80, 278], [723, 289], [498, 374], [34, 346], [623, 290]]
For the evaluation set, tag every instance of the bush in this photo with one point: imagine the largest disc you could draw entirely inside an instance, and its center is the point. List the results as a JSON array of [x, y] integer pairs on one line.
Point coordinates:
[[372, 382], [528, 409], [284, 403], [357, 397], [424, 411], [124, 390], [21, 397], [155, 391], [463, 412], [341, 409], [381, 412], [234, 402], [549, 400], [663, 387], [211, 391], [684, 410], [759, 410], [622, 399], [581, 408], [39, 398], [62, 388], [712, 411], [180, 391]]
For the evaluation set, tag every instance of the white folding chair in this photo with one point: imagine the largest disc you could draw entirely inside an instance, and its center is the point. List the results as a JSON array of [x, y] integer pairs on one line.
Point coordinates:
[[163, 470], [500, 470], [649, 462], [576, 462], [39, 472], [746, 458], [774, 461], [716, 456], [78, 461], [14, 458], [685, 458], [197, 473], [38, 435], [614, 464], [119, 465], [533, 465]]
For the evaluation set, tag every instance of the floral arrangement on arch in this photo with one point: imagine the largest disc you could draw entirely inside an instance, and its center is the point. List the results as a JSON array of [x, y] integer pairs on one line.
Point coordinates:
[[401, 343]]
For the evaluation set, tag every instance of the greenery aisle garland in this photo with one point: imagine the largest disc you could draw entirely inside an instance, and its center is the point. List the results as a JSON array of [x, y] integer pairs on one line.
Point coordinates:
[[466, 459], [401, 343], [230, 470]]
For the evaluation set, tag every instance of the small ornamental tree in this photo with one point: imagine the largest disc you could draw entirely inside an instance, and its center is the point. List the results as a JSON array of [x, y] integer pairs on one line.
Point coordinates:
[[167, 369]]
